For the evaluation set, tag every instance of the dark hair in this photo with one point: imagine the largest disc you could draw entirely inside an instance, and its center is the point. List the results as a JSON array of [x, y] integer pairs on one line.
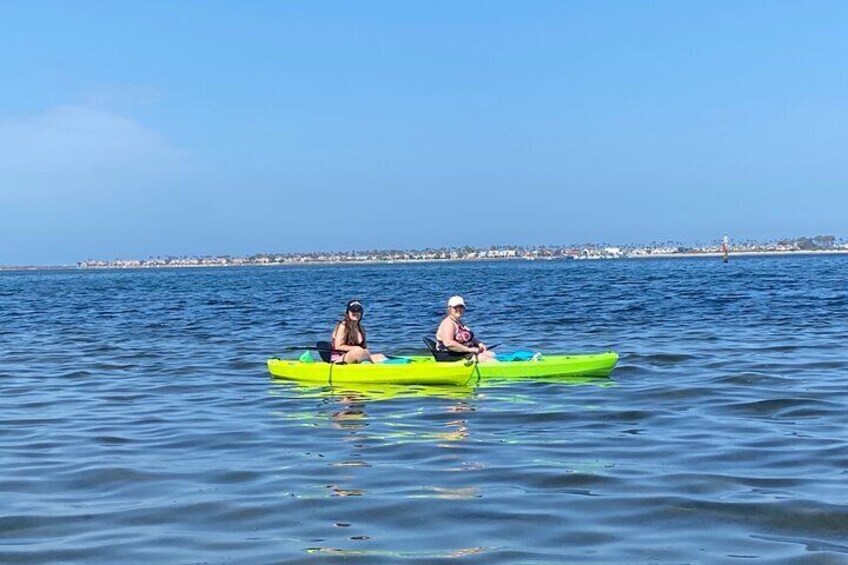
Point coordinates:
[[349, 326]]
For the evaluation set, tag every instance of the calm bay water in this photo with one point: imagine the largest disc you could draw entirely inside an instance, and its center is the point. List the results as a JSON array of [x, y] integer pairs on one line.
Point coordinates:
[[140, 425]]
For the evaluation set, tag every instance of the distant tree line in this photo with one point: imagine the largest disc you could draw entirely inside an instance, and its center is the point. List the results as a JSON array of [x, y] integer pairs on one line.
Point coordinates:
[[810, 243]]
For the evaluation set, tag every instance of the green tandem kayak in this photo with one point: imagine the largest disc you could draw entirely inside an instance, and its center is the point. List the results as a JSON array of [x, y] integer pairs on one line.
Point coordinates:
[[426, 371]]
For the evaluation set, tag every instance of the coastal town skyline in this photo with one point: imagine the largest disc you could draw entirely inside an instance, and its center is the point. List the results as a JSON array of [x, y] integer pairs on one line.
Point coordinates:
[[586, 250], [819, 243]]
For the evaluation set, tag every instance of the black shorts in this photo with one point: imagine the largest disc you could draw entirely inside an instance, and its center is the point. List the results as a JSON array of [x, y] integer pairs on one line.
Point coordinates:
[[441, 356]]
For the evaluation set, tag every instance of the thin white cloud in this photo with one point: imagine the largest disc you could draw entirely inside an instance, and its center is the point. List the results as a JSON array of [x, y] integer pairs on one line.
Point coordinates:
[[73, 146]]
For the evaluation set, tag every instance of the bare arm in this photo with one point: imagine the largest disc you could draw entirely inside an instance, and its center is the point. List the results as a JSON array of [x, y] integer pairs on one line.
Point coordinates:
[[338, 339], [446, 335]]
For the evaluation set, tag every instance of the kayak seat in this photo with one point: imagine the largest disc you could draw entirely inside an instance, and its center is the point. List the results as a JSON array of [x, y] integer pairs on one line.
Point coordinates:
[[431, 344], [443, 355], [325, 349]]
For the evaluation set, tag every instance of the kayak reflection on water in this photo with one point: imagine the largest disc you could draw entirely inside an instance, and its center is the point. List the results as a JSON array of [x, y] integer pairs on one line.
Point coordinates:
[[455, 340]]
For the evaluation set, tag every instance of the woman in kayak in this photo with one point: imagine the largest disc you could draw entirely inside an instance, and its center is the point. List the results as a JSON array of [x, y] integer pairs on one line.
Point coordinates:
[[454, 340], [349, 338]]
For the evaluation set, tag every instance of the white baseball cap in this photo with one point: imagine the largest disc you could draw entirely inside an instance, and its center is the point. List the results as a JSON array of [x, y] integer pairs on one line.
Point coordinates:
[[456, 301]]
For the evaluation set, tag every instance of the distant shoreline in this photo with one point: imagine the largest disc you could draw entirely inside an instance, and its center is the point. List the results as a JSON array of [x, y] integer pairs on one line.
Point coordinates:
[[733, 254], [681, 255]]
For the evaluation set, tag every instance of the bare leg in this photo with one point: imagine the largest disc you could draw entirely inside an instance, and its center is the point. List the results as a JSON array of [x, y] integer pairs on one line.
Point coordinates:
[[486, 357], [356, 355]]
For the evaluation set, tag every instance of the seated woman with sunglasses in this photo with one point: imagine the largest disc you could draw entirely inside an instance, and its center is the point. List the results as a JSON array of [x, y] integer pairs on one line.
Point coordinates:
[[349, 338], [454, 340]]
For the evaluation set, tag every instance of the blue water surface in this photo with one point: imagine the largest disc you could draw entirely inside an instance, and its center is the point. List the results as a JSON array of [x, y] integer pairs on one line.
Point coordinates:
[[139, 423]]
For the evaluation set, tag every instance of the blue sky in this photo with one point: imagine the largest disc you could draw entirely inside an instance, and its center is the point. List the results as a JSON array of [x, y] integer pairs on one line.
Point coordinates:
[[166, 128]]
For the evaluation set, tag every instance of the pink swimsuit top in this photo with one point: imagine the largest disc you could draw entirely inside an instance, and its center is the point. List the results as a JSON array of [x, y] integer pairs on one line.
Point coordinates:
[[462, 334]]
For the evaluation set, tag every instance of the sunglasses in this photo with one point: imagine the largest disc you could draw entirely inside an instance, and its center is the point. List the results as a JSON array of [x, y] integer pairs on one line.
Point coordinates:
[[355, 309], [459, 307]]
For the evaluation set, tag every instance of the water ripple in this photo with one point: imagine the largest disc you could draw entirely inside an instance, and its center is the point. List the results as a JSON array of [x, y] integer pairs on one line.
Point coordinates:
[[139, 424]]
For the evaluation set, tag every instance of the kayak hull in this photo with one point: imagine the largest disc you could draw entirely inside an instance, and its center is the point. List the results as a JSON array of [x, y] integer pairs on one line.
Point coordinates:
[[553, 366], [420, 371], [425, 371]]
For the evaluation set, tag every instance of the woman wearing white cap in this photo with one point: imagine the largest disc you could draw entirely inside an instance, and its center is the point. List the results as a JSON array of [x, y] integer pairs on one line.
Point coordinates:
[[454, 340]]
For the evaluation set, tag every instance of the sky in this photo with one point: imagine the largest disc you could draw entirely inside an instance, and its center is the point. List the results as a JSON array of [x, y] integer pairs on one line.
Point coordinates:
[[137, 129]]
